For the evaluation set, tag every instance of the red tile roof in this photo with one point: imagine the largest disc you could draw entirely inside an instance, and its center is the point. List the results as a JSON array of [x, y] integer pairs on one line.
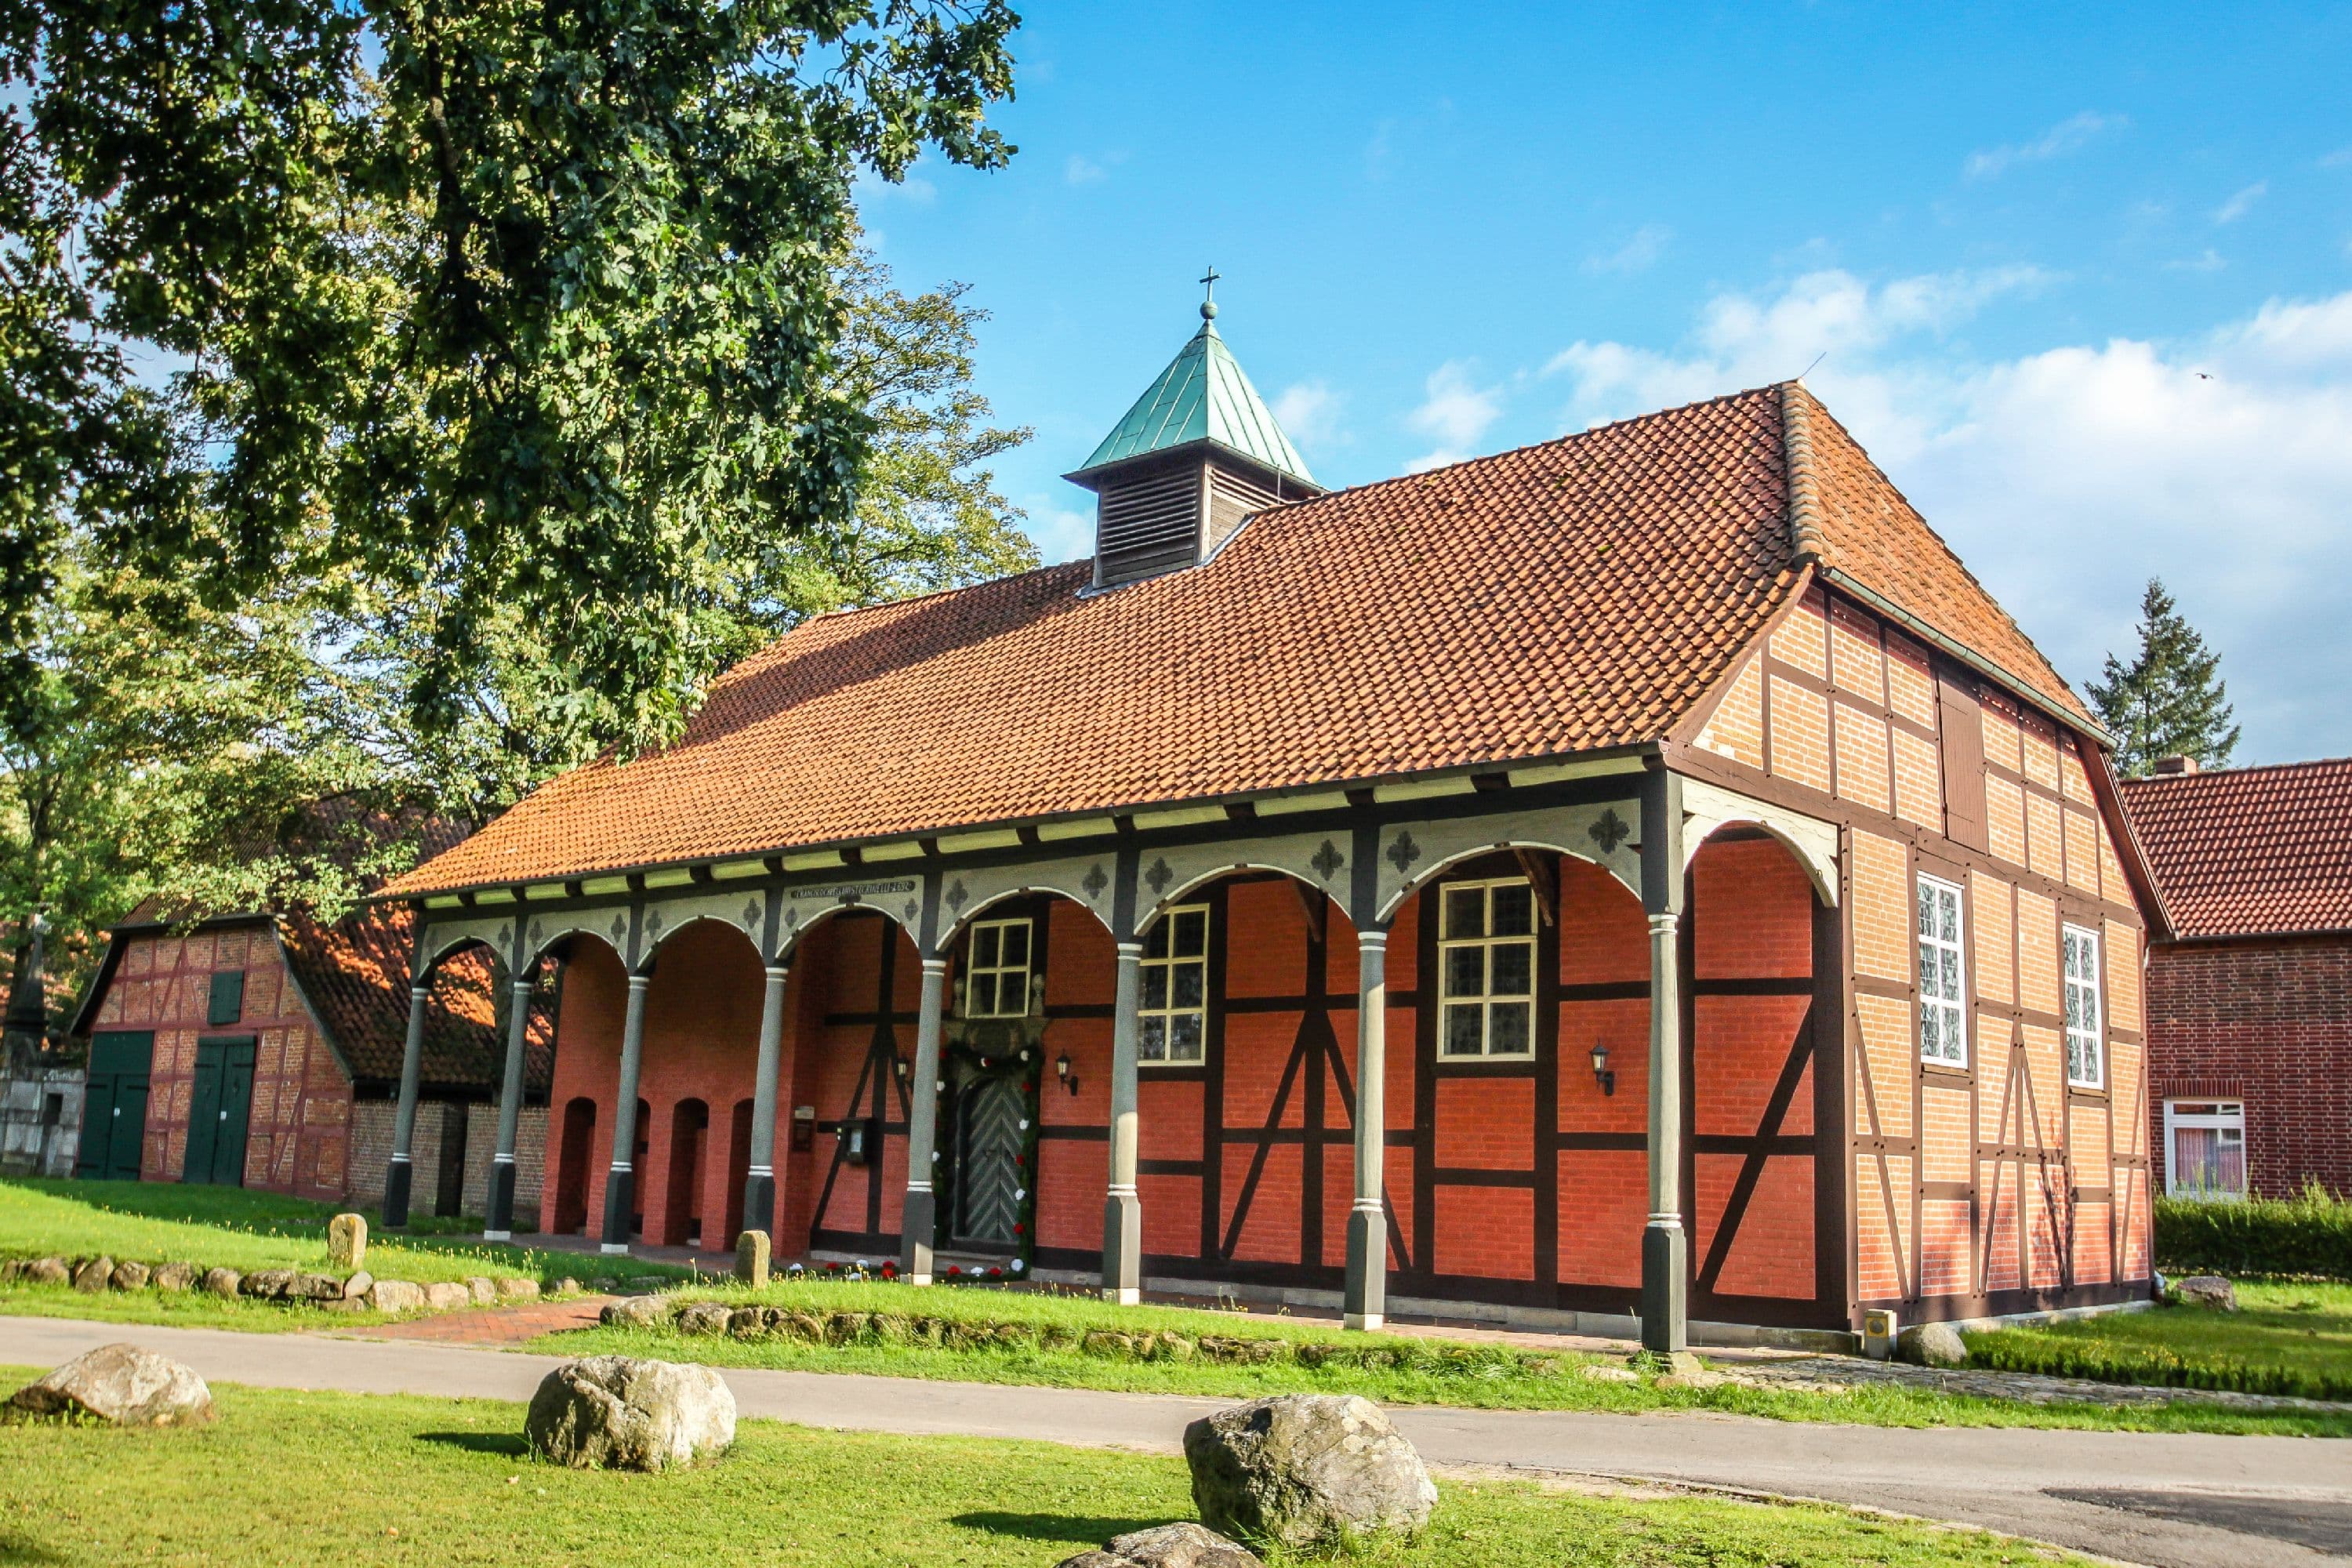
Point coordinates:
[[355, 974], [1577, 596], [2249, 851]]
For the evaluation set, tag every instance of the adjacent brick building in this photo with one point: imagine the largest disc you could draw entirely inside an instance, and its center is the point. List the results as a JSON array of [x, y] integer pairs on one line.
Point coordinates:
[[265, 1051], [2250, 1004], [1637, 875]]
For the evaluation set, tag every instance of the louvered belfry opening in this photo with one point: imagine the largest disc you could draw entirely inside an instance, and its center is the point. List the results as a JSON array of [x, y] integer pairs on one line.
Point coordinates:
[[1198, 455]]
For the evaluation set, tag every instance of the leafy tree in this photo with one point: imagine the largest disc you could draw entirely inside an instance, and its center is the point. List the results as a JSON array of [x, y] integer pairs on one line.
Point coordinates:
[[524, 315], [2170, 700], [157, 751], [928, 516]]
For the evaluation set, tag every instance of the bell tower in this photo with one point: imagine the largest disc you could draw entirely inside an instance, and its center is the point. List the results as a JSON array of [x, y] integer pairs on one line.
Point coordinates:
[[1195, 457]]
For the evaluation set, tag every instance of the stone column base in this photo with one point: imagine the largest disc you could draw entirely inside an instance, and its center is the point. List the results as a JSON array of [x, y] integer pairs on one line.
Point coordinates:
[[396, 1182], [1367, 1274], [1122, 1273], [917, 1225], [1665, 1296], [620, 1189]]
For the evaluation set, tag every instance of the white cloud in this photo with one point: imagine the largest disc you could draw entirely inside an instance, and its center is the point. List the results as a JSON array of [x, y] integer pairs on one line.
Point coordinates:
[[1083, 171], [1636, 255], [1061, 531], [2209, 261], [1455, 412], [2069, 135], [2239, 204], [2221, 462], [2339, 159], [1309, 413]]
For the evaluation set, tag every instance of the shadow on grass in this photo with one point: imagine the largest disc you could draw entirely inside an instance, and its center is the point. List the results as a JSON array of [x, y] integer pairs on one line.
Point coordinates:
[[1078, 1530], [506, 1442]]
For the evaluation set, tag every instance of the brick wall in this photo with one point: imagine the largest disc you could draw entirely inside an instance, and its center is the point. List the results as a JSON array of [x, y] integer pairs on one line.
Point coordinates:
[[1997, 1174], [297, 1127], [482, 1133], [2269, 1022]]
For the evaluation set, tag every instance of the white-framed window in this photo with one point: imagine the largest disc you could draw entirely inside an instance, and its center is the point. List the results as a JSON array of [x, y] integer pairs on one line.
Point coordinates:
[[1943, 975], [1175, 1012], [2205, 1148], [1486, 958], [996, 969], [2086, 1050]]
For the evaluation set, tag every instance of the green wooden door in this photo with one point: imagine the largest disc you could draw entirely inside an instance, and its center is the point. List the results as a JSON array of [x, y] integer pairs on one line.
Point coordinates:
[[218, 1105], [114, 1107]]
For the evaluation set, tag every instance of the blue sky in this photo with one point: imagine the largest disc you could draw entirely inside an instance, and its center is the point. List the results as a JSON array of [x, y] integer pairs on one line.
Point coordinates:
[[2080, 278]]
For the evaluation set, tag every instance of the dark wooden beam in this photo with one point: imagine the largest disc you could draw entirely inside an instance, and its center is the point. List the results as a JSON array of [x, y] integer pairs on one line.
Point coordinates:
[[1543, 876]]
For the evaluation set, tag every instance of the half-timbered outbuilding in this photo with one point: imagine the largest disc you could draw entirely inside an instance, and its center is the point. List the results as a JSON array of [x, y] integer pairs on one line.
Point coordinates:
[[1639, 874]]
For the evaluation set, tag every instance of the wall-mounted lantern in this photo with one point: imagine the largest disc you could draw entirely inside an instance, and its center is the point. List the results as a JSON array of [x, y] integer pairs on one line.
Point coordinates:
[[1062, 1071], [1600, 1073]]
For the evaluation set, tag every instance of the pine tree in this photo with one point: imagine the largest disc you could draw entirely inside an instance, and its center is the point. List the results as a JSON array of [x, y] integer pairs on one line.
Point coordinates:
[[2168, 702]]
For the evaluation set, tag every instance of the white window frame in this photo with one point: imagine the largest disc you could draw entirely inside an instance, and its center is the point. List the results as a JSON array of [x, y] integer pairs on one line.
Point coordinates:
[[2222, 1116], [1163, 1021], [2087, 1012], [996, 972], [1951, 1012], [1487, 998]]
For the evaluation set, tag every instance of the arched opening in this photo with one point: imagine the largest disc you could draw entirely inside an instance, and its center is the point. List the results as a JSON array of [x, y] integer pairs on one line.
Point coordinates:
[[738, 1170], [1763, 1059], [704, 997], [689, 1136], [575, 1162]]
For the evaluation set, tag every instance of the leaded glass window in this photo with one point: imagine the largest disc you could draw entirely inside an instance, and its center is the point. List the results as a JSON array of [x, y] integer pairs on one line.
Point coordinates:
[[2087, 1056], [1942, 996]]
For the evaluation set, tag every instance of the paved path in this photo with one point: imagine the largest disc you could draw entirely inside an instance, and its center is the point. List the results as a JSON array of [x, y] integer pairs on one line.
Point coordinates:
[[2161, 1499]]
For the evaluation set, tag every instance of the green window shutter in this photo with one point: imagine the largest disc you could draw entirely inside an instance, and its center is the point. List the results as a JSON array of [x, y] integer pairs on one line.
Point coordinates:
[[228, 997]]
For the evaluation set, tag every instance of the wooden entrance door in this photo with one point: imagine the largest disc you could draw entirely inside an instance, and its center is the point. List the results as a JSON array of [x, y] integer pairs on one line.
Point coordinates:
[[114, 1105], [219, 1107], [988, 1143]]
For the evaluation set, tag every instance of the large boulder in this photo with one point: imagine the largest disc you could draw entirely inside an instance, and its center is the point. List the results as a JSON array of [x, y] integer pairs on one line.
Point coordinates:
[[122, 1385], [612, 1412], [511, 1289], [1932, 1344], [1307, 1470], [175, 1277], [129, 1275], [1185, 1545], [270, 1284], [92, 1274], [47, 1271], [446, 1295], [224, 1281], [2208, 1290], [316, 1288]]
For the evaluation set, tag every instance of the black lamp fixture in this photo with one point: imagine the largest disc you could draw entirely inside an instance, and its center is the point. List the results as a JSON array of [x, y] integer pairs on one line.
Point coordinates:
[[1600, 1073], [904, 1067], [1062, 1071]]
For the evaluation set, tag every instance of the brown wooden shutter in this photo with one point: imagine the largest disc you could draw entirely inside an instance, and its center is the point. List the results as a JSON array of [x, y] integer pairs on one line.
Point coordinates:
[[1960, 734]]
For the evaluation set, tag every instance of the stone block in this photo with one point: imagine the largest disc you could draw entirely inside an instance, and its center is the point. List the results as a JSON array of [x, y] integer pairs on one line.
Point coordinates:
[[751, 1257], [347, 1241]]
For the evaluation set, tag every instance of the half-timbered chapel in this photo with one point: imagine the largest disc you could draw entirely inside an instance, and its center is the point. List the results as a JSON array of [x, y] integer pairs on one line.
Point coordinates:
[[1638, 876]]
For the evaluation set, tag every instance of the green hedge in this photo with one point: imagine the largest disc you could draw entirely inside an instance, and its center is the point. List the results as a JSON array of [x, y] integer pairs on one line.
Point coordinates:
[[2309, 1236]]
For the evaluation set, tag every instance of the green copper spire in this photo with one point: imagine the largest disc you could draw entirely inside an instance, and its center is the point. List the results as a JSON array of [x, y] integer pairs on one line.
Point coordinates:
[[1203, 395]]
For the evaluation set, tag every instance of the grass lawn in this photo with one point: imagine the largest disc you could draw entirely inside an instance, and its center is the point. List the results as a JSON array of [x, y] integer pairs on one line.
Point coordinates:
[[1437, 1373], [157, 1222], [2291, 1337], [292, 1476]]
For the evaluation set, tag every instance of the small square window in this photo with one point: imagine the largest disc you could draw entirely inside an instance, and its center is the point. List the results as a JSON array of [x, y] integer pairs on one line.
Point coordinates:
[[996, 972], [2205, 1148], [1486, 964], [1174, 1010]]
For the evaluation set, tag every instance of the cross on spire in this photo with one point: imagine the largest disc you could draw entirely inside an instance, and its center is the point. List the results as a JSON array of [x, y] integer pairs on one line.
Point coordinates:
[[1209, 295]]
